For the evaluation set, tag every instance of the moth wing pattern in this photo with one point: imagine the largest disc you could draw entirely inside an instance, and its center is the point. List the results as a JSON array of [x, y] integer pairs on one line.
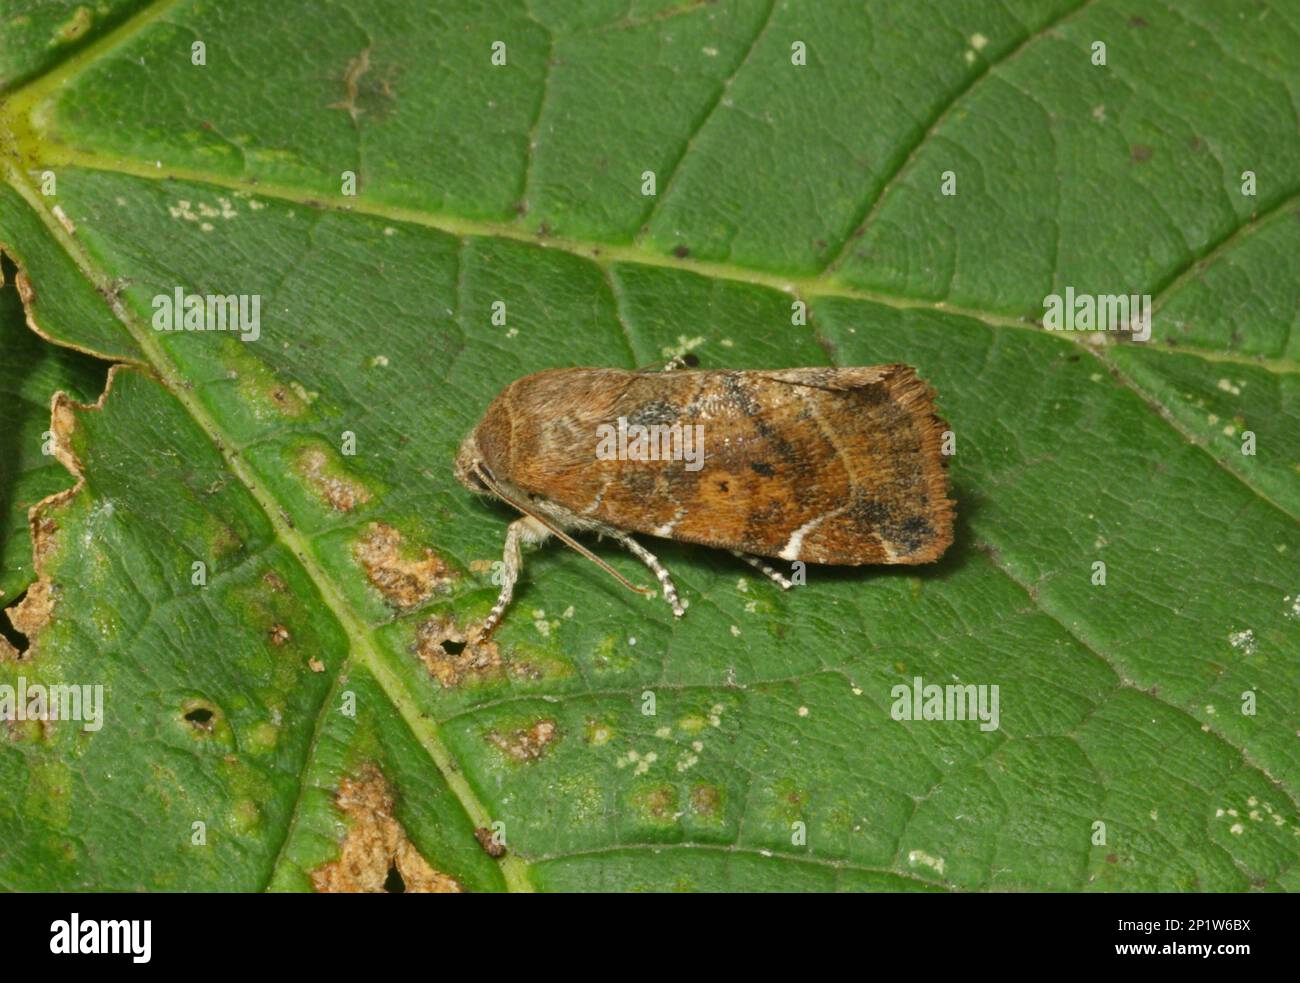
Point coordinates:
[[825, 465]]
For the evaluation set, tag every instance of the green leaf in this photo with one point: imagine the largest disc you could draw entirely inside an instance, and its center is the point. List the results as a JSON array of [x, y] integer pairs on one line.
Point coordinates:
[[329, 580]]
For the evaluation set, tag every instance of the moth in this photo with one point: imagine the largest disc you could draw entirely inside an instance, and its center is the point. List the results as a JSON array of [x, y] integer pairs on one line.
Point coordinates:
[[838, 466]]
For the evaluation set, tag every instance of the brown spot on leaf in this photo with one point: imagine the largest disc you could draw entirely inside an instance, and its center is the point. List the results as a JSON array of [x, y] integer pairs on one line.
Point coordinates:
[[26, 292], [274, 581], [337, 490], [705, 799], [33, 612], [62, 423], [279, 634], [450, 657], [658, 802], [488, 842], [357, 67], [376, 845], [527, 743], [1139, 153], [403, 580], [75, 26], [315, 664]]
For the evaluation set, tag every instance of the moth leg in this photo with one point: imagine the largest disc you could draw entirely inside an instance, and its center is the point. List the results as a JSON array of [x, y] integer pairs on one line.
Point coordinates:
[[759, 564], [521, 531], [658, 569]]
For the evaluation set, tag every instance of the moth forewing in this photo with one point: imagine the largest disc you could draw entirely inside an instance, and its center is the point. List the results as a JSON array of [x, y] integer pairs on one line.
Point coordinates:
[[822, 465]]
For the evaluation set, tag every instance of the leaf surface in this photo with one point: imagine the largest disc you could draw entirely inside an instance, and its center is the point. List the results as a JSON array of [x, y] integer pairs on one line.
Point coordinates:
[[772, 760]]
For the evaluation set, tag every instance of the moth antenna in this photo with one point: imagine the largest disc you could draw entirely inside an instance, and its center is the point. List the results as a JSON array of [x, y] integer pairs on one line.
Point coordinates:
[[481, 473]]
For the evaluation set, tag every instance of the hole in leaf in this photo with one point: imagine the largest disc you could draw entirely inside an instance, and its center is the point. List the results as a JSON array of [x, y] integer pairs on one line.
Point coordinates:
[[200, 715], [11, 634], [453, 647], [393, 883]]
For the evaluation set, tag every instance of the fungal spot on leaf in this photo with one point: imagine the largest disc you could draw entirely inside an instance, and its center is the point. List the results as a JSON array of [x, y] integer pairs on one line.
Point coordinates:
[[265, 393], [75, 27], [329, 481], [279, 634], [450, 658], [789, 800], [681, 252], [404, 579], [657, 803], [274, 581], [526, 744], [376, 855], [357, 68], [706, 800], [365, 91]]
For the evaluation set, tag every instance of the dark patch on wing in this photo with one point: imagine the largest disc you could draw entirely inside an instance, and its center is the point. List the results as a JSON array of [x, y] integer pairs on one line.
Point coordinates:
[[655, 412], [913, 533], [906, 533], [737, 391]]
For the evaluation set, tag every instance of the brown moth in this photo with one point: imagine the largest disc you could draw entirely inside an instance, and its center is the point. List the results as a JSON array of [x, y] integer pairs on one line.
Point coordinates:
[[820, 465]]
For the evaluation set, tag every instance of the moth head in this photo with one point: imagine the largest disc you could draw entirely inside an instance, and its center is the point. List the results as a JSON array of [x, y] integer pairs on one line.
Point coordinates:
[[469, 461]]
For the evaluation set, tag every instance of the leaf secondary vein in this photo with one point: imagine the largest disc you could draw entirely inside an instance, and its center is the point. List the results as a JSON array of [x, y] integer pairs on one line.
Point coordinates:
[[873, 208], [20, 109]]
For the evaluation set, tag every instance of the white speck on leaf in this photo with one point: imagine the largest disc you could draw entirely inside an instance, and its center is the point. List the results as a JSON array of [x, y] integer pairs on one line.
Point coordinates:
[[1243, 641], [936, 864]]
